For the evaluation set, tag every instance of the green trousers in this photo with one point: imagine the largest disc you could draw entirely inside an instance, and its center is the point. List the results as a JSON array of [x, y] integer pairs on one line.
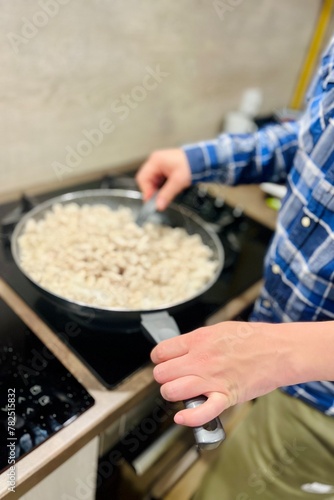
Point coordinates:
[[282, 450]]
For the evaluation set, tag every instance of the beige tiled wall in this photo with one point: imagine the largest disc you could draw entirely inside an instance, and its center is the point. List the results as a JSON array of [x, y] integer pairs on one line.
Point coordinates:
[[68, 67]]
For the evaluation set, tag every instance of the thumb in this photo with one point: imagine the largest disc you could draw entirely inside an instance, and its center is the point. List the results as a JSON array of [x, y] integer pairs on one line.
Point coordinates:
[[204, 413]]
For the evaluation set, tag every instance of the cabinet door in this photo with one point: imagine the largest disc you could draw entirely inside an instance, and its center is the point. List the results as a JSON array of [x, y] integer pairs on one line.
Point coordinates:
[[75, 478]]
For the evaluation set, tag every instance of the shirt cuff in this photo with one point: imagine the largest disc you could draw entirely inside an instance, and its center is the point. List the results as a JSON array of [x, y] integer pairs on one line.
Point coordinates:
[[205, 164]]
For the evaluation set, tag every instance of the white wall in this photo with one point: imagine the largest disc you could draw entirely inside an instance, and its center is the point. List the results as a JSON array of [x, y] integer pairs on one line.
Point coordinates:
[[61, 78]]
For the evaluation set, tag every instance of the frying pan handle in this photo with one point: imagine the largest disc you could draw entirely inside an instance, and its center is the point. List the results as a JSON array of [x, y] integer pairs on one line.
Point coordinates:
[[161, 326], [210, 435]]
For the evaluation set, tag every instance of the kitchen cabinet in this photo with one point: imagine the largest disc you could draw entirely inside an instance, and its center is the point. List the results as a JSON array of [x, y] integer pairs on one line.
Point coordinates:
[[75, 478]]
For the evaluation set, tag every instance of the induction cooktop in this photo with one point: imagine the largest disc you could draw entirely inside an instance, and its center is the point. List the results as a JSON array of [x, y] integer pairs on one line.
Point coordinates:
[[38, 395]]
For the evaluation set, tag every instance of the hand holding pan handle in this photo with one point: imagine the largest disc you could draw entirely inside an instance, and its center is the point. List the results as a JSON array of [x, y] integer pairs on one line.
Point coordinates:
[[161, 326]]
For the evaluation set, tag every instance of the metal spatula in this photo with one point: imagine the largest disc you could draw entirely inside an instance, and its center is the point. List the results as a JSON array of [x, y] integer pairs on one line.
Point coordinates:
[[147, 210]]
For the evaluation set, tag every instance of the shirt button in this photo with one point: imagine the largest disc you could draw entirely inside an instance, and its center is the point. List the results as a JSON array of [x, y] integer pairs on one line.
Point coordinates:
[[266, 303], [275, 269], [306, 221]]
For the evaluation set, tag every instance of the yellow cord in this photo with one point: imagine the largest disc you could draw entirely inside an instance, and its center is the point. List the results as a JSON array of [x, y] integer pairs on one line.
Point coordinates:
[[312, 55]]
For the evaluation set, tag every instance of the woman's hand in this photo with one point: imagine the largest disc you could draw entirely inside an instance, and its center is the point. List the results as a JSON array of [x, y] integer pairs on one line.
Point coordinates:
[[167, 169], [229, 363]]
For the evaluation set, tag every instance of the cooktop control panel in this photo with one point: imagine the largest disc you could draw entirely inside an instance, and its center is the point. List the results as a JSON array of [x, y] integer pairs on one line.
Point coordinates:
[[38, 396]]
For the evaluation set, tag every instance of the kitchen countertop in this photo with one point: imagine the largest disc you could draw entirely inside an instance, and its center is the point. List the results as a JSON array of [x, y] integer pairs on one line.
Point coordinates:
[[110, 404], [250, 198]]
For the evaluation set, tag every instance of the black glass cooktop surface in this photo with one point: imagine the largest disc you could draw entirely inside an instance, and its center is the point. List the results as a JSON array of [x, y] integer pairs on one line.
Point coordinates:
[[38, 396]]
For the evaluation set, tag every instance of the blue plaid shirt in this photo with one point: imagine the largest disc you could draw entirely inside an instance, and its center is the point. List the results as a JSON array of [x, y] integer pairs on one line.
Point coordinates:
[[299, 265]]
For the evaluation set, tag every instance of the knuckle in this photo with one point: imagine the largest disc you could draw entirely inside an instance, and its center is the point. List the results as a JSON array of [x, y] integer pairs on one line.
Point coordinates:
[[203, 331], [155, 156], [199, 336]]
